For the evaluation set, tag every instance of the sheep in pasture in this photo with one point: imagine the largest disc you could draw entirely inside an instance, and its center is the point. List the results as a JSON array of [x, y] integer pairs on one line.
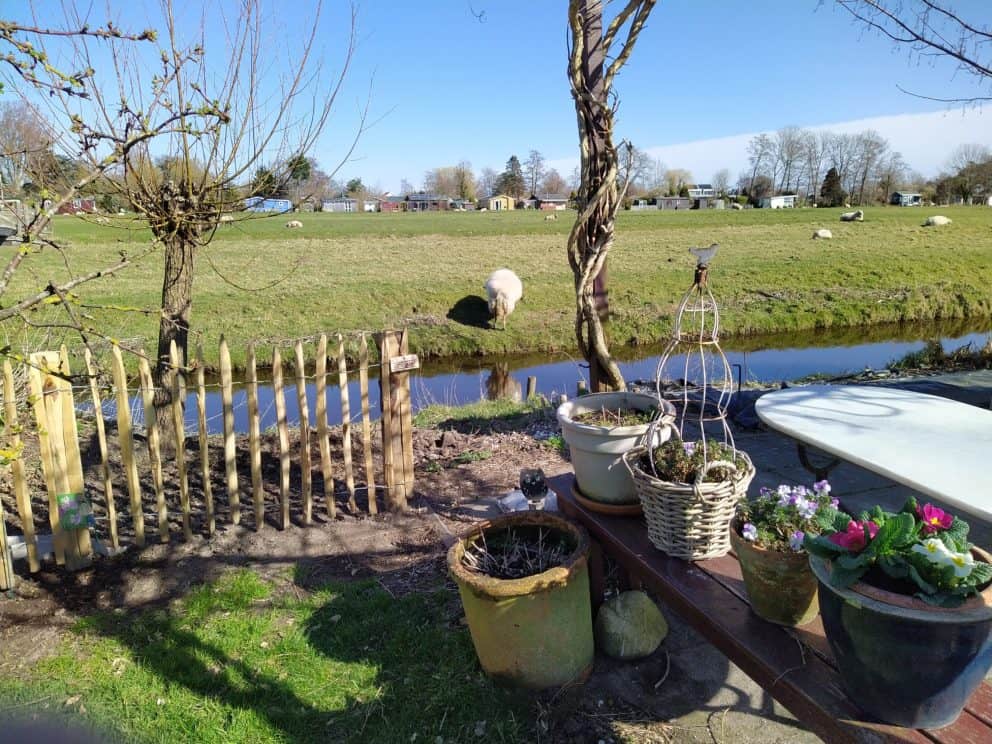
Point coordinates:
[[227, 218], [505, 290], [735, 205], [550, 217], [101, 220], [937, 221], [294, 224], [823, 234], [858, 216]]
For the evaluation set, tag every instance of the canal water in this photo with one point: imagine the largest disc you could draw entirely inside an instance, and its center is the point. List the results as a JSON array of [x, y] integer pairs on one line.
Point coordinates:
[[756, 359]]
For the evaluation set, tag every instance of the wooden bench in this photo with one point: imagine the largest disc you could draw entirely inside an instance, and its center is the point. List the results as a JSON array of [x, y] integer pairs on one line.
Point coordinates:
[[793, 664]]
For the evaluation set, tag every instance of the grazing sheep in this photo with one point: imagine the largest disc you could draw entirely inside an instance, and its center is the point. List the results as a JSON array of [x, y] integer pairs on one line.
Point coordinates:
[[822, 233], [858, 216], [505, 290], [735, 205], [227, 218], [101, 220], [936, 221], [293, 224], [550, 217]]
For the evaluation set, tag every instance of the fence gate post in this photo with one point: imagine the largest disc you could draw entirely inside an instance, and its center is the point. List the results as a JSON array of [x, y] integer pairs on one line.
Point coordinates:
[[70, 509], [397, 418]]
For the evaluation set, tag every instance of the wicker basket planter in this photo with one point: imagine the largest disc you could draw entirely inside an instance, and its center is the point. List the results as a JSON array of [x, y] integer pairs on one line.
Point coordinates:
[[689, 520]]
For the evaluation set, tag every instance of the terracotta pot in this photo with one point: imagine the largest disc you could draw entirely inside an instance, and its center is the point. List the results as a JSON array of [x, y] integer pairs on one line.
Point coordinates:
[[780, 586], [900, 659]]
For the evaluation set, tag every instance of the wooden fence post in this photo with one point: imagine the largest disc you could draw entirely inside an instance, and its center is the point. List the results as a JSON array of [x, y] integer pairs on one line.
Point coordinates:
[[283, 428], [363, 386], [323, 441], [306, 486], [201, 415], [349, 473], [397, 421], [154, 448], [57, 434], [179, 425], [127, 445], [230, 440], [255, 440], [21, 495], [101, 436]]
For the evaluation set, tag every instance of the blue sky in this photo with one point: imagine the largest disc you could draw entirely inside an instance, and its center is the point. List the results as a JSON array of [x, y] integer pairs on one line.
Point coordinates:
[[706, 75], [459, 88]]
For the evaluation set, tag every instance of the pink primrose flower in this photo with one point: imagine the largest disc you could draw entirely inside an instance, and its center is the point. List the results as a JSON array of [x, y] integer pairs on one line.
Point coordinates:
[[853, 538], [933, 518]]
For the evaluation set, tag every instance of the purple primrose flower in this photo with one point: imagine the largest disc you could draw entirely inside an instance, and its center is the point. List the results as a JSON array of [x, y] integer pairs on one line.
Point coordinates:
[[796, 540], [749, 532]]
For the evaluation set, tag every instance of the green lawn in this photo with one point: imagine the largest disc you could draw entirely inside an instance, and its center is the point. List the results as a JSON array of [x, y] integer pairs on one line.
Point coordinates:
[[244, 660], [350, 272]]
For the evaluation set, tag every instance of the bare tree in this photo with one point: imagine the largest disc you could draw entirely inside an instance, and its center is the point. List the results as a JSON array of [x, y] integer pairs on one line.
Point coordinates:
[[593, 65], [534, 170], [721, 181], [814, 153], [788, 154], [25, 145], [486, 184], [218, 114], [760, 153], [931, 29], [464, 181], [636, 167], [553, 183]]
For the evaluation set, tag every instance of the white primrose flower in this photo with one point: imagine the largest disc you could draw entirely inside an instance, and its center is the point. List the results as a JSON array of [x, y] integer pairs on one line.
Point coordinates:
[[934, 550]]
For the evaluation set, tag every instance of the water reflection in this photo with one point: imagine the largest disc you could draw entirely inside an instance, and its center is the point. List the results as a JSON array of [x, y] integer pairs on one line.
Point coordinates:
[[765, 359], [501, 385]]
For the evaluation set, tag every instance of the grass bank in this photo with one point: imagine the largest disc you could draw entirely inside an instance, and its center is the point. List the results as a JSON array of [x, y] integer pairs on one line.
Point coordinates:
[[350, 272], [241, 661]]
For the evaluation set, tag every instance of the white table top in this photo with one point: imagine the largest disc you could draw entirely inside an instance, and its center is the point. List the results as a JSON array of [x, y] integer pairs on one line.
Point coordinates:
[[934, 445]]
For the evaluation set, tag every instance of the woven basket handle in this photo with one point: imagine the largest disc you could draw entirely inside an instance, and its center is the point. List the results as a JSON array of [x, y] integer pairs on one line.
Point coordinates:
[[701, 473]]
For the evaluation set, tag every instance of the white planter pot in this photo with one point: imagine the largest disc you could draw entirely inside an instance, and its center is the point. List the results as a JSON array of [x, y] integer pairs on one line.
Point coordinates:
[[597, 450]]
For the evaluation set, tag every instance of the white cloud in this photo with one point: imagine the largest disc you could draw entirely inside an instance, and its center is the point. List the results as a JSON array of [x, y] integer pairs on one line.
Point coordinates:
[[925, 141]]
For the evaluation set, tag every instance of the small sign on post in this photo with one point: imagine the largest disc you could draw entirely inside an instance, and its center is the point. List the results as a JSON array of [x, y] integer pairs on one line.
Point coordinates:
[[404, 363]]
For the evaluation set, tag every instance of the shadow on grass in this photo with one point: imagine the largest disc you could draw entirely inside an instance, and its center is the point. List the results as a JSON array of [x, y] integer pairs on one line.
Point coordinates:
[[470, 310]]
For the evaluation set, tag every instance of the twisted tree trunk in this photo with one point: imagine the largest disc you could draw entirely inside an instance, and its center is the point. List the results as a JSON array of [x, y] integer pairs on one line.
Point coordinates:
[[599, 195]]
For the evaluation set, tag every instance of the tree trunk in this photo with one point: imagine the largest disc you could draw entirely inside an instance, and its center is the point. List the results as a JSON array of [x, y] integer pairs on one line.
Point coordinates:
[[598, 196], [177, 300]]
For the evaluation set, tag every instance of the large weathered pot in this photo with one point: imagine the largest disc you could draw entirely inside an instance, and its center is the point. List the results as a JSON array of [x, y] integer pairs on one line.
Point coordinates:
[[536, 631], [900, 659], [780, 586], [597, 450]]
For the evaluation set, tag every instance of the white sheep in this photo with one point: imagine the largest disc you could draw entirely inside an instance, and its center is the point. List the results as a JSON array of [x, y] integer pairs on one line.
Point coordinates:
[[822, 233], [505, 290], [735, 205], [227, 218], [294, 224], [858, 216], [936, 221], [550, 217]]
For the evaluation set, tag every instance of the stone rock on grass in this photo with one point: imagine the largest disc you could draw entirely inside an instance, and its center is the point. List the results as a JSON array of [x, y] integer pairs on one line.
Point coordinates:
[[630, 626]]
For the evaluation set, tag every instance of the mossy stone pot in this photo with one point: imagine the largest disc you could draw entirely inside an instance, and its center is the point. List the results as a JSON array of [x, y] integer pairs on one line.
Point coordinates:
[[900, 659], [780, 586], [534, 632], [597, 451]]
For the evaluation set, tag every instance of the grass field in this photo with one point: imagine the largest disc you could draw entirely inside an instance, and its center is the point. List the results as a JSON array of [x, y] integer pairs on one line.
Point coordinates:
[[349, 272], [253, 660]]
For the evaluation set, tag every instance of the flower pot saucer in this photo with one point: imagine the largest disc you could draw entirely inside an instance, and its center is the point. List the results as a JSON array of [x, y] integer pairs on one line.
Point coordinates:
[[601, 507]]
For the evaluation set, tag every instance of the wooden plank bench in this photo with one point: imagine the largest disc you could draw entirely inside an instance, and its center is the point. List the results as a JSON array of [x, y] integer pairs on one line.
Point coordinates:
[[793, 664]]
